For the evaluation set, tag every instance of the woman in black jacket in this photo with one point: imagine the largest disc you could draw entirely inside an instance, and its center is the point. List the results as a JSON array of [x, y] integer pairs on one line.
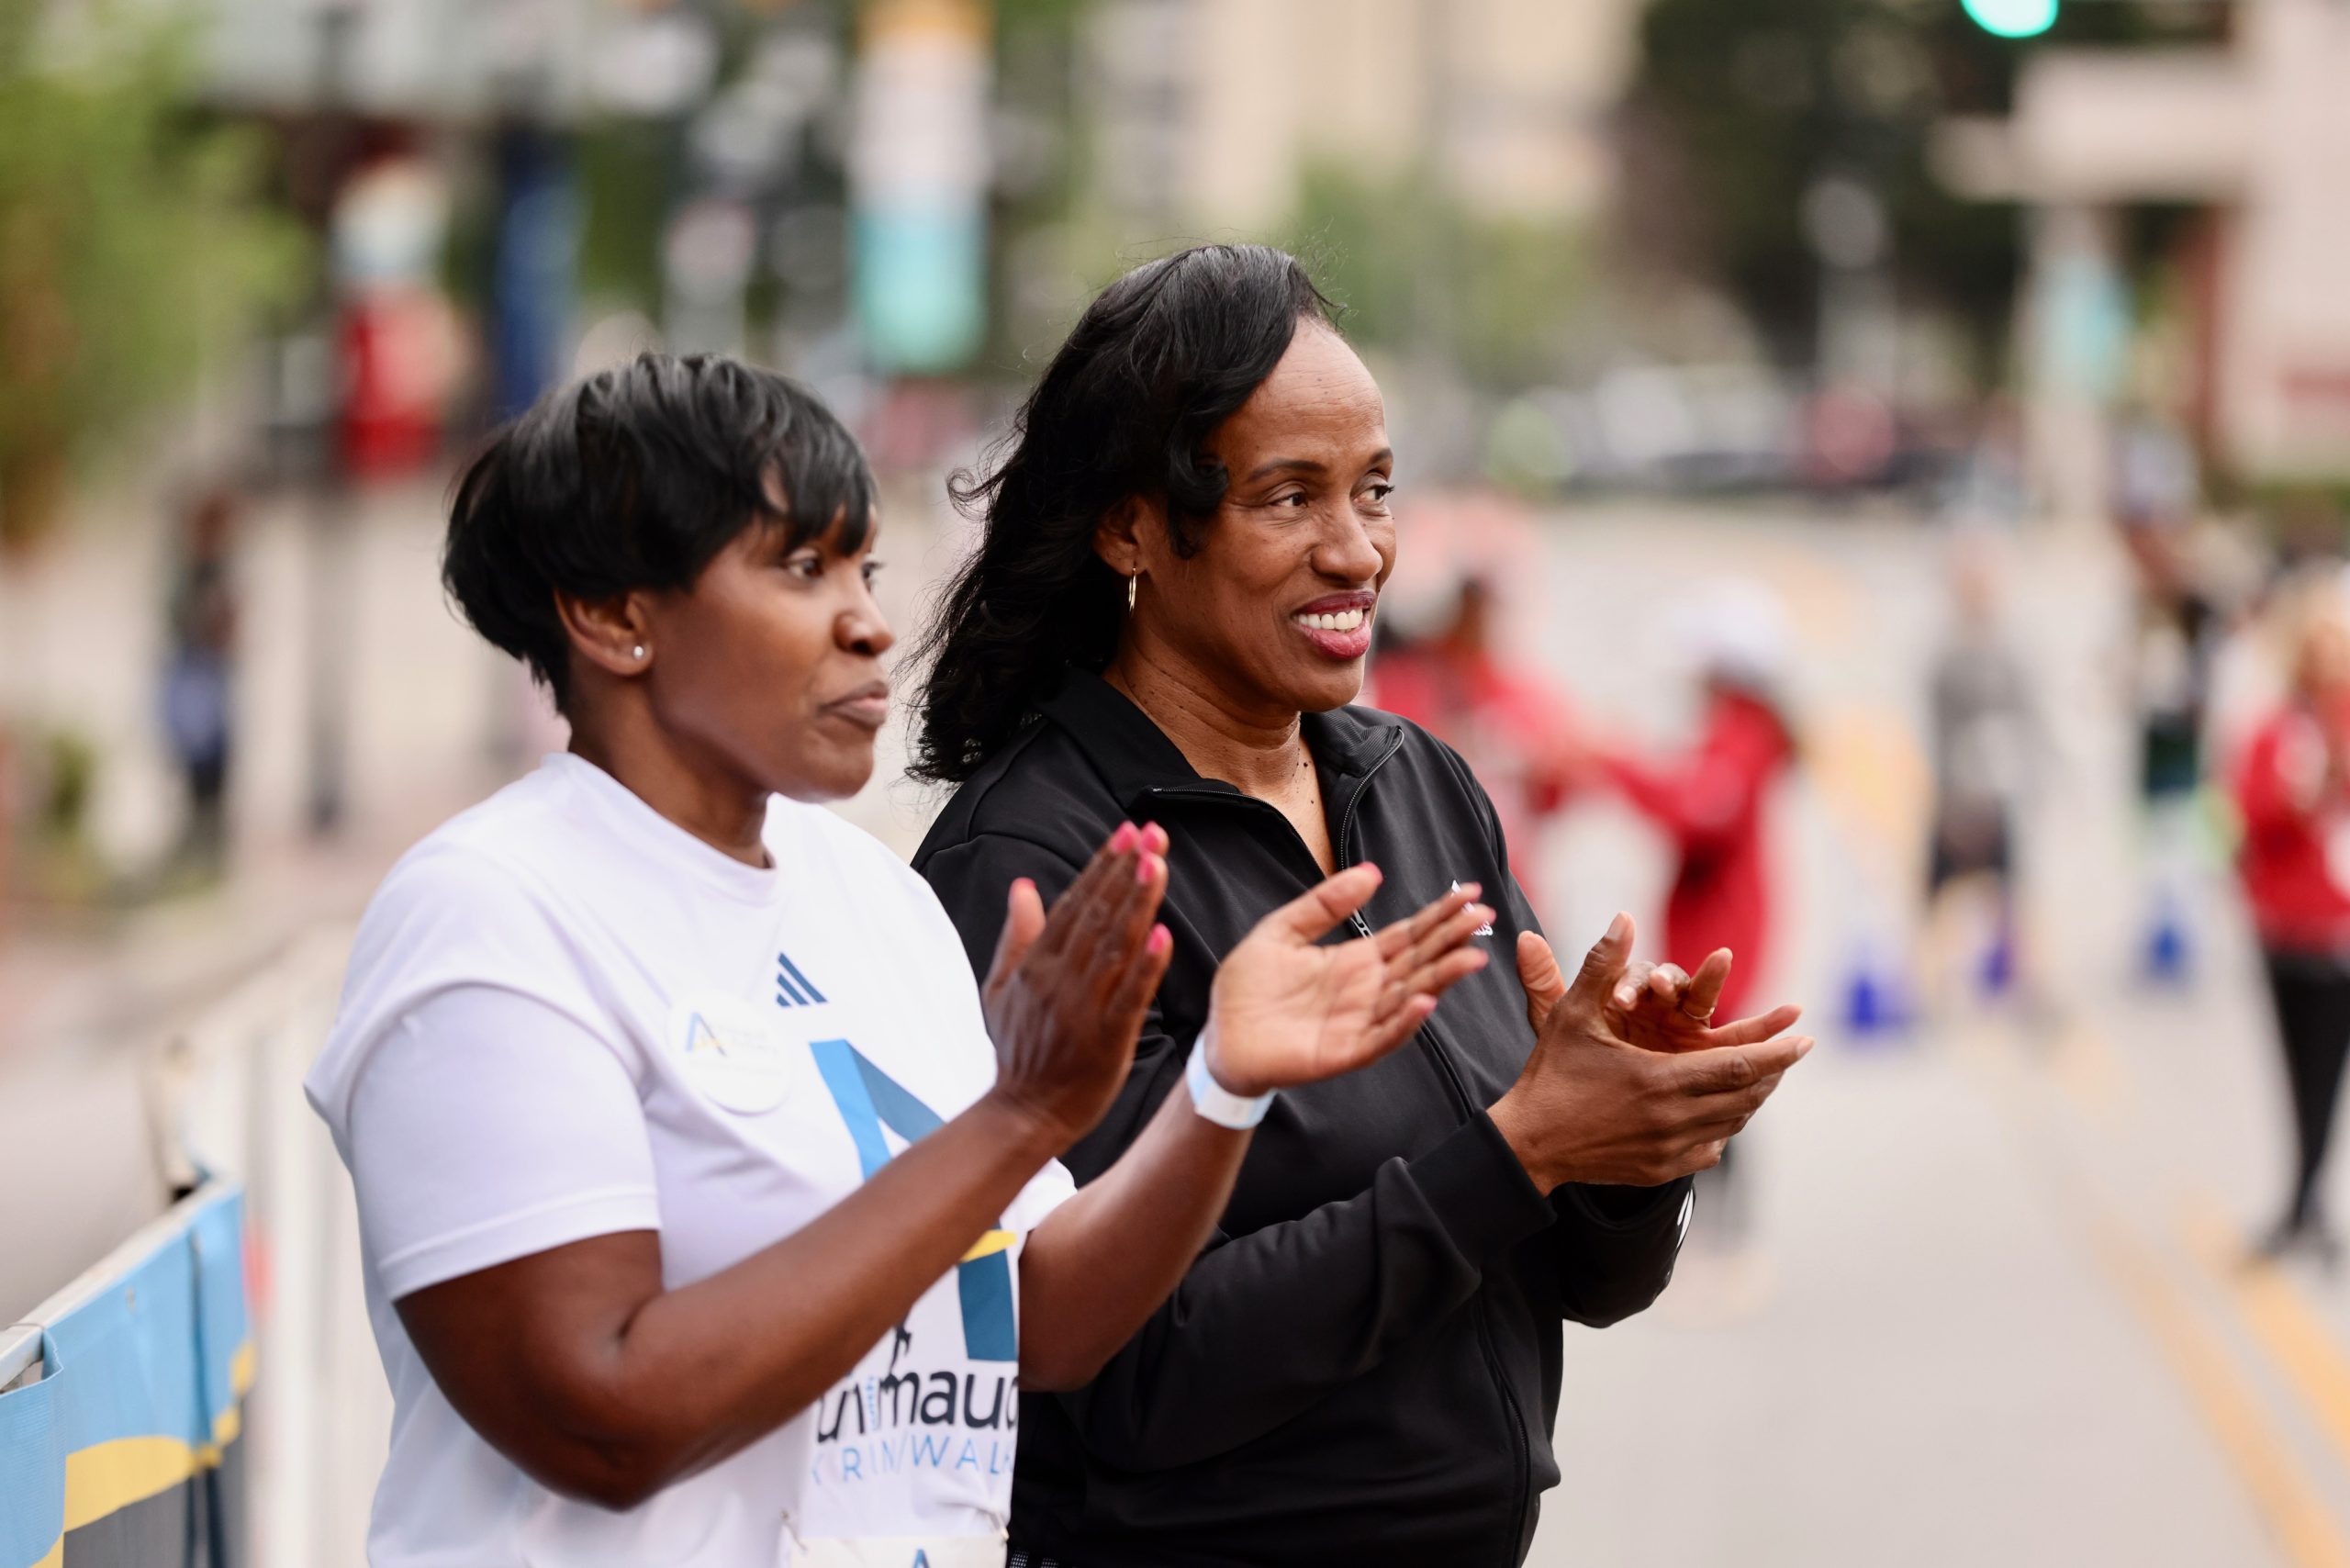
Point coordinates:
[[1165, 620]]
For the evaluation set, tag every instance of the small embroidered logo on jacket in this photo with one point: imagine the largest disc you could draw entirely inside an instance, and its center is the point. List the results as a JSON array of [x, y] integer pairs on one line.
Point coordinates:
[[791, 987], [1484, 930]]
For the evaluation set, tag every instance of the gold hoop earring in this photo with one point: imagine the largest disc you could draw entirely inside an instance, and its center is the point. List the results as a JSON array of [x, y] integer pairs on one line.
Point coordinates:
[[1132, 578]]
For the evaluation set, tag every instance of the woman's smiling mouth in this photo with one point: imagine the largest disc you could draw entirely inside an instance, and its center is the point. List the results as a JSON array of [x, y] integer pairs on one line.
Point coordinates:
[[1340, 625]]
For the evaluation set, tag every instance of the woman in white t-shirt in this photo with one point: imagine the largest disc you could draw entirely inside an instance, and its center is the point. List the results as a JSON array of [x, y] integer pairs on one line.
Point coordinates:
[[701, 1224]]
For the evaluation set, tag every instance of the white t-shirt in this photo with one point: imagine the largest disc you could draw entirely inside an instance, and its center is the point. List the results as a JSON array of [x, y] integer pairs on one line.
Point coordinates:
[[566, 1016]]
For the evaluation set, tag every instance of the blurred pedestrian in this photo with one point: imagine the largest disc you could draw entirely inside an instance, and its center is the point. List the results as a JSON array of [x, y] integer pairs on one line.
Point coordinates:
[[198, 706], [2292, 789], [1517, 733], [1985, 744], [622, 1049], [2175, 644], [1712, 802]]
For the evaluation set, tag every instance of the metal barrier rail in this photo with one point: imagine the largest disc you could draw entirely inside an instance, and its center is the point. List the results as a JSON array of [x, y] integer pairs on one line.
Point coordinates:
[[228, 1089], [121, 1432], [21, 1342], [226, 1093], [19, 1353]]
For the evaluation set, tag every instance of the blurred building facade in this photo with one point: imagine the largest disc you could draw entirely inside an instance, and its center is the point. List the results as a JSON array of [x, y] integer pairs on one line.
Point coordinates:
[[2256, 137], [1210, 112]]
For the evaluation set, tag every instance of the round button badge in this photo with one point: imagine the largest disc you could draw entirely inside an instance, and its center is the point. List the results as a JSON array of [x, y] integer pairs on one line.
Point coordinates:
[[733, 1052]]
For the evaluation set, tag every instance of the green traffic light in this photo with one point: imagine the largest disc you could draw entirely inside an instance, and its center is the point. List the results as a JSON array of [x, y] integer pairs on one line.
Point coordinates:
[[2013, 18]]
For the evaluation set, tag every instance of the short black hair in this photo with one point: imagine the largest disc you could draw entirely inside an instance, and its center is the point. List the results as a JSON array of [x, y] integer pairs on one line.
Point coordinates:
[[635, 478], [1158, 360]]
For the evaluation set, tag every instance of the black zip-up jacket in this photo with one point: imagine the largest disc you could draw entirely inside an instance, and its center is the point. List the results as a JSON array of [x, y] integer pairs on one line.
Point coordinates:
[[1363, 1365]]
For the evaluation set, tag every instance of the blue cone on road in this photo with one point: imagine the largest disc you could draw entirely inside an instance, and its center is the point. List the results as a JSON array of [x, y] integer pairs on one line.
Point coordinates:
[[2169, 957], [1996, 975], [1876, 1003]]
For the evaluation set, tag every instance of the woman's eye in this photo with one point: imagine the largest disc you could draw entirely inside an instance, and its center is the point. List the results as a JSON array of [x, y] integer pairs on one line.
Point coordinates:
[[1295, 498], [808, 565], [872, 570], [1378, 491]]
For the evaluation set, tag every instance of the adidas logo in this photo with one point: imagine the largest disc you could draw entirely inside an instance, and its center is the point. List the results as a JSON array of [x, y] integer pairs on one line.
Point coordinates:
[[791, 987]]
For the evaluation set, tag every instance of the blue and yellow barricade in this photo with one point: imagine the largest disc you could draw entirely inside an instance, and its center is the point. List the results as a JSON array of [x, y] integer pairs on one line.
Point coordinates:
[[126, 1450]]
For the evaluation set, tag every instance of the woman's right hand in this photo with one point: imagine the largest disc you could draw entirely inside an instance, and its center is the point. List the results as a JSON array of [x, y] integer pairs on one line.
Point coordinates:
[[1066, 996], [1287, 1010], [1592, 1106]]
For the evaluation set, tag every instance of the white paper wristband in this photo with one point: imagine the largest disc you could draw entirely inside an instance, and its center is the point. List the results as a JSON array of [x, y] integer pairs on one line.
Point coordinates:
[[1217, 1103]]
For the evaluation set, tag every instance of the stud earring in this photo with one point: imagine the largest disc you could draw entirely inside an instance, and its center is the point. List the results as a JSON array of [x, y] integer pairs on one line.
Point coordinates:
[[1132, 578], [637, 652]]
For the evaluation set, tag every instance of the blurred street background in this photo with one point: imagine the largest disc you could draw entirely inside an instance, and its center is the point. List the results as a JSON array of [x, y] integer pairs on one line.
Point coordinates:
[[1965, 381]]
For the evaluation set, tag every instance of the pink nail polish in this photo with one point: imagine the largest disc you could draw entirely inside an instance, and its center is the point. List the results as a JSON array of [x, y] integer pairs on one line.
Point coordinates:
[[1144, 865], [1161, 940], [1123, 839]]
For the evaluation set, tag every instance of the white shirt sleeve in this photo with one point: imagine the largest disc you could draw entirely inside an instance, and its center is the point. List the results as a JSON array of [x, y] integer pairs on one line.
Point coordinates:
[[1046, 1191], [486, 1126]]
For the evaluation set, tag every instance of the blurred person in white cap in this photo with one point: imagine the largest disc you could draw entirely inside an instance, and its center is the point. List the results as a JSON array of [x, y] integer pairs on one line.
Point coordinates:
[[1711, 800]]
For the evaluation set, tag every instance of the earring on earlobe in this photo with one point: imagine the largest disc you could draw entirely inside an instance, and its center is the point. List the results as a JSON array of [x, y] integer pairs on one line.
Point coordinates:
[[1132, 578], [637, 652]]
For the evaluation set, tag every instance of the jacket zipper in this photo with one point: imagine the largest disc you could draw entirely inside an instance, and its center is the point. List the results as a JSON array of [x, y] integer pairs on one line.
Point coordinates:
[[1522, 1464]]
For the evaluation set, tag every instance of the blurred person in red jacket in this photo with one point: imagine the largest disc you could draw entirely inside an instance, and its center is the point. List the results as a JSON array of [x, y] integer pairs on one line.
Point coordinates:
[[2291, 785], [1518, 733], [1711, 799], [1711, 802]]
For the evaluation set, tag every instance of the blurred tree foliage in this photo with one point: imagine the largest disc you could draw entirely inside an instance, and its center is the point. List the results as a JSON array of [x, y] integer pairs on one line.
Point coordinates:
[[131, 242], [1741, 105], [627, 175], [1415, 270]]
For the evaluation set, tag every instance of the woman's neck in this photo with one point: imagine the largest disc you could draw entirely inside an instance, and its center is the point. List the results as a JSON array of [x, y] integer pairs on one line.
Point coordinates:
[[1260, 754], [712, 802]]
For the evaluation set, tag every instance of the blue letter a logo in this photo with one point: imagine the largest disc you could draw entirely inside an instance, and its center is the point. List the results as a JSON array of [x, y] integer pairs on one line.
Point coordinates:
[[870, 1099]]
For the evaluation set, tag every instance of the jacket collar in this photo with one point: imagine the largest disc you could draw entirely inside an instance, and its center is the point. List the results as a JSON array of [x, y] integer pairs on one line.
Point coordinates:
[[1134, 756]]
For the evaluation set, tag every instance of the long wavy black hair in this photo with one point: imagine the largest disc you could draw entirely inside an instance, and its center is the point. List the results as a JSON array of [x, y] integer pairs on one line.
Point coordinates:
[[1159, 359]]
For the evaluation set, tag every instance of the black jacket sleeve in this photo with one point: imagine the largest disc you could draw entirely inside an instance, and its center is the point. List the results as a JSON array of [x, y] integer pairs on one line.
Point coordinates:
[[1267, 1323], [1616, 1245]]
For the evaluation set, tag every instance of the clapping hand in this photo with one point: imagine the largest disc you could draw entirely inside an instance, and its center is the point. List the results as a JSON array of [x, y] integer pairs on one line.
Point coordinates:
[[1286, 1010], [1594, 1104], [1066, 996], [1657, 1007]]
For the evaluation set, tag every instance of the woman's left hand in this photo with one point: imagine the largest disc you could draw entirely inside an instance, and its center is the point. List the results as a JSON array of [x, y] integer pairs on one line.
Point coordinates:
[[1285, 1010], [1657, 1007]]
